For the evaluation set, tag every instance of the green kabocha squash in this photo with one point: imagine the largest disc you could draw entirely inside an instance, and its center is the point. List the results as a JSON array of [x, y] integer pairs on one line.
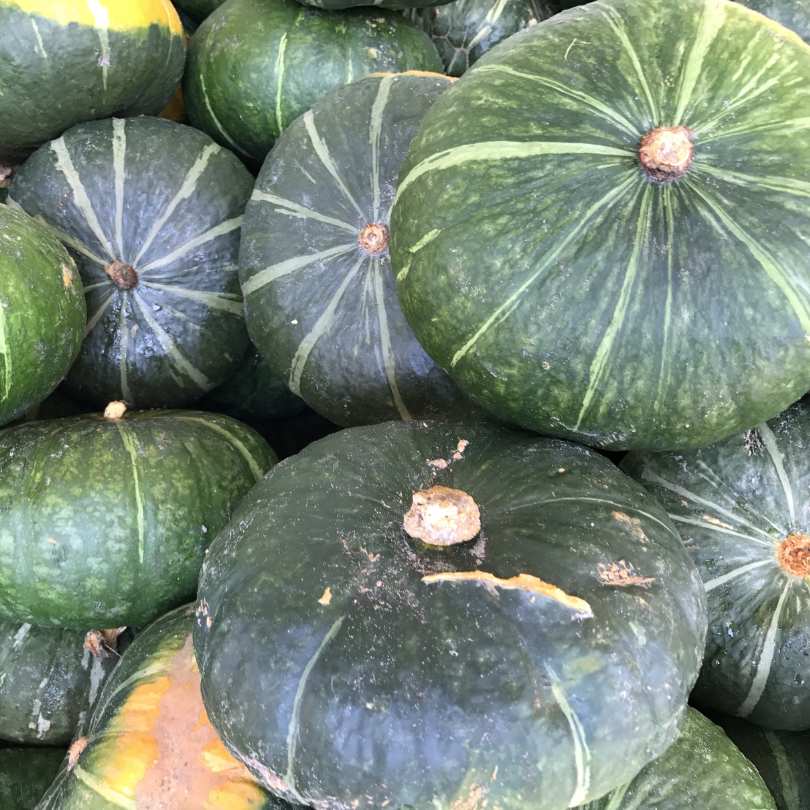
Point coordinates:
[[42, 313], [702, 769], [104, 520], [49, 679], [795, 14], [149, 743], [447, 615], [320, 299], [464, 30], [75, 60], [255, 65], [197, 10], [25, 774], [599, 231], [151, 210], [782, 757], [743, 509]]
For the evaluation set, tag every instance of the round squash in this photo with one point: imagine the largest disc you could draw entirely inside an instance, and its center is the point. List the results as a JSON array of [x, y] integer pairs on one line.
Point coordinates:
[[151, 210], [794, 14], [25, 774], [149, 744], [464, 30], [599, 231], [285, 58], [42, 313], [320, 300], [703, 769], [780, 756], [50, 678], [743, 509], [74, 60], [104, 520], [447, 615]]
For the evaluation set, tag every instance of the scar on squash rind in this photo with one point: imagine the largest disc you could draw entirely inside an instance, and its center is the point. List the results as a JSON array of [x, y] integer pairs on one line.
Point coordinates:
[[621, 574]]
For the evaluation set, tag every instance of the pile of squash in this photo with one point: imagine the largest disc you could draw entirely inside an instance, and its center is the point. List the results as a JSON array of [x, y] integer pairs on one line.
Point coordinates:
[[401, 405]]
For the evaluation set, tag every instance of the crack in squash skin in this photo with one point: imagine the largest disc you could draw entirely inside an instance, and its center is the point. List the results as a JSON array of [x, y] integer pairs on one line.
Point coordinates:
[[412, 683]]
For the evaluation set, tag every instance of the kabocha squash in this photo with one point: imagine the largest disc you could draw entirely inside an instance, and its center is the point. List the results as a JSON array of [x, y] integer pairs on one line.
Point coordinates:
[[464, 30], [535, 648], [703, 770], [590, 223], [287, 57], [151, 210], [49, 679], [742, 508], [25, 774], [781, 757], [795, 14], [73, 60], [320, 299], [149, 744], [104, 519], [42, 313]]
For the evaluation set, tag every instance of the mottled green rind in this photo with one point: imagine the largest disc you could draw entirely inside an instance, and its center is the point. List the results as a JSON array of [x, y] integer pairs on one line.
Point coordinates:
[[51, 76], [702, 769], [42, 313], [48, 683], [795, 14], [782, 758], [331, 325], [25, 774], [733, 503], [181, 331], [464, 30], [564, 291], [396, 4], [72, 552], [255, 65], [315, 626], [197, 10]]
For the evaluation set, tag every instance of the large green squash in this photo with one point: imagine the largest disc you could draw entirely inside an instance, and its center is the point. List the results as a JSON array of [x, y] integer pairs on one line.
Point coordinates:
[[782, 757], [49, 679], [151, 210], [535, 649], [74, 60], [255, 65], [743, 510], [600, 230], [149, 743], [320, 299], [25, 774], [795, 14], [42, 313], [464, 30], [104, 520], [703, 770]]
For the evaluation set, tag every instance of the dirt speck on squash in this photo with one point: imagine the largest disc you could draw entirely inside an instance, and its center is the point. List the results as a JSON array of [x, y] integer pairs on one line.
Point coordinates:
[[753, 442], [622, 574], [203, 614], [456, 455], [633, 525]]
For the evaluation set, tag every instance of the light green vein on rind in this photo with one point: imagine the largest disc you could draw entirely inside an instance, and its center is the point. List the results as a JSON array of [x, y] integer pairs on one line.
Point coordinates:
[[785, 772], [669, 219], [231, 142], [101, 23], [129, 444], [234, 441], [123, 352], [119, 158], [784, 185], [226, 227], [214, 300], [389, 360], [375, 133], [296, 210], [38, 36], [103, 789], [701, 524], [282, 47], [711, 584], [778, 460], [7, 363]]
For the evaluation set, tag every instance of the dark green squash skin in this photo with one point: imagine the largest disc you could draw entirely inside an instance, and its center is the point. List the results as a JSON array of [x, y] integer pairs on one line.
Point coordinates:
[[782, 758], [464, 30], [733, 503], [702, 770], [197, 10], [48, 682], [337, 5], [25, 774], [314, 626], [42, 313], [104, 522], [180, 332], [52, 75], [288, 56], [795, 14], [565, 291], [322, 310]]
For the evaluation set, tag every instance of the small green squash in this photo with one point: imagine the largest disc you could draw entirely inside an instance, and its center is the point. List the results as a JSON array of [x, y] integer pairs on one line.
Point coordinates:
[[599, 231], [104, 520], [42, 313], [255, 65], [742, 508], [49, 679], [74, 60], [25, 774], [447, 615], [320, 299], [151, 210]]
